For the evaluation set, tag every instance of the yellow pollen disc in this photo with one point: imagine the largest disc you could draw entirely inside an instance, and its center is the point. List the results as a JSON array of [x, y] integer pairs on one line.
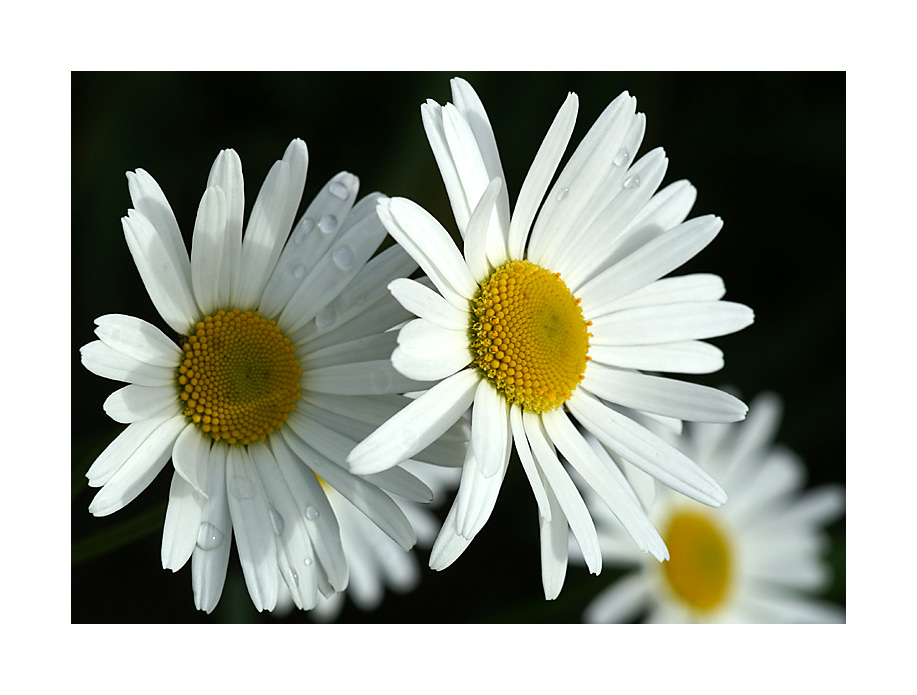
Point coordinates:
[[700, 566], [528, 335], [239, 380]]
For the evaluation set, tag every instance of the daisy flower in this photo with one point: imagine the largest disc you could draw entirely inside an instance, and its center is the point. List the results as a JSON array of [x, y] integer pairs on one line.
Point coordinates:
[[278, 364], [545, 322], [754, 560]]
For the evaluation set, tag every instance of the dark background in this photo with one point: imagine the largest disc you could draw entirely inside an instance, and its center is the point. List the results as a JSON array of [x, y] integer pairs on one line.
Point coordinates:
[[766, 152]]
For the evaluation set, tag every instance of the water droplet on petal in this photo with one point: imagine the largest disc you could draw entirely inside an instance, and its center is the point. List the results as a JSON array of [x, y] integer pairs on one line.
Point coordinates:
[[312, 514], [303, 228], [343, 258], [299, 272], [563, 194], [276, 521], [295, 577], [338, 190], [325, 319], [241, 488], [308, 562], [328, 224], [621, 158], [209, 536], [631, 182]]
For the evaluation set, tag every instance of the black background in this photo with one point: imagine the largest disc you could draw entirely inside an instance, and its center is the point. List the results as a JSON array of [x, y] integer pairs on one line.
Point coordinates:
[[766, 152]]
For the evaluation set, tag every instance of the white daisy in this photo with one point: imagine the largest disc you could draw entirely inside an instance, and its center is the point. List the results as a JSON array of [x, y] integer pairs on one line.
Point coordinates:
[[545, 322], [753, 560], [269, 384]]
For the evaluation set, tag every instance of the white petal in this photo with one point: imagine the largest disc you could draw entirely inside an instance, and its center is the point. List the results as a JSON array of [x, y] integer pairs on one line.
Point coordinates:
[[125, 444], [644, 449], [368, 349], [190, 456], [567, 495], [528, 463], [685, 357], [269, 223], [366, 497], [323, 528], [104, 361], [666, 209], [134, 402], [210, 556], [477, 495], [182, 524], [431, 246], [148, 199], [418, 425], [400, 482], [327, 442], [226, 174], [671, 323], [255, 539], [165, 276], [540, 174], [582, 188], [697, 287], [588, 251], [490, 429], [326, 219], [335, 270], [138, 339], [554, 553], [650, 262], [469, 104], [449, 543], [371, 378], [428, 352], [607, 481], [619, 603], [210, 279], [483, 241], [139, 469], [466, 155], [429, 305], [663, 396]]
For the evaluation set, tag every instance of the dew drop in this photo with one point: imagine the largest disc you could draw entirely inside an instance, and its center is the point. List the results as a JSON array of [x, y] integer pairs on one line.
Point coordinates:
[[343, 258], [209, 536], [299, 272], [631, 182], [338, 190], [325, 319], [302, 230], [308, 562], [312, 514], [328, 224], [276, 521], [241, 488], [563, 194], [295, 577], [622, 158]]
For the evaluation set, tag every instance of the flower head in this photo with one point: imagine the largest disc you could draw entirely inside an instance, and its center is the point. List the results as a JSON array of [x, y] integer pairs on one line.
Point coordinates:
[[266, 384], [753, 560], [546, 320]]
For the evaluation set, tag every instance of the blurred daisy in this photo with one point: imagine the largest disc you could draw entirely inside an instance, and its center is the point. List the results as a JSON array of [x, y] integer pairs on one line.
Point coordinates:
[[542, 323], [754, 560], [376, 562], [269, 384]]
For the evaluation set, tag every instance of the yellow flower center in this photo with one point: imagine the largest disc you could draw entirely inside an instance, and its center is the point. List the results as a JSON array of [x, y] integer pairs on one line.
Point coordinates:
[[700, 566], [240, 377], [528, 335]]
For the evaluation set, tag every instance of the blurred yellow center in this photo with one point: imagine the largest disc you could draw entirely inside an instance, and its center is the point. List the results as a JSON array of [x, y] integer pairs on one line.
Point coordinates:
[[528, 336], [239, 380], [700, 567]]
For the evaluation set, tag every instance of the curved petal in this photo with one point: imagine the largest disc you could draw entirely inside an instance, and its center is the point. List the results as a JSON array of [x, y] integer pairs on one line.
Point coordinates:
[[670, 323], [484, 244], [417, 425], [191, 455], [138, 339], [490, 429], [427, 304], [554, 536], [528, 464], [148, 199], [476, 496], [164, 273], [125, 444], [182, 524], [210, 278], [685, 357], [104, 361], [210, 556], [226, 174], [134, 402]]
